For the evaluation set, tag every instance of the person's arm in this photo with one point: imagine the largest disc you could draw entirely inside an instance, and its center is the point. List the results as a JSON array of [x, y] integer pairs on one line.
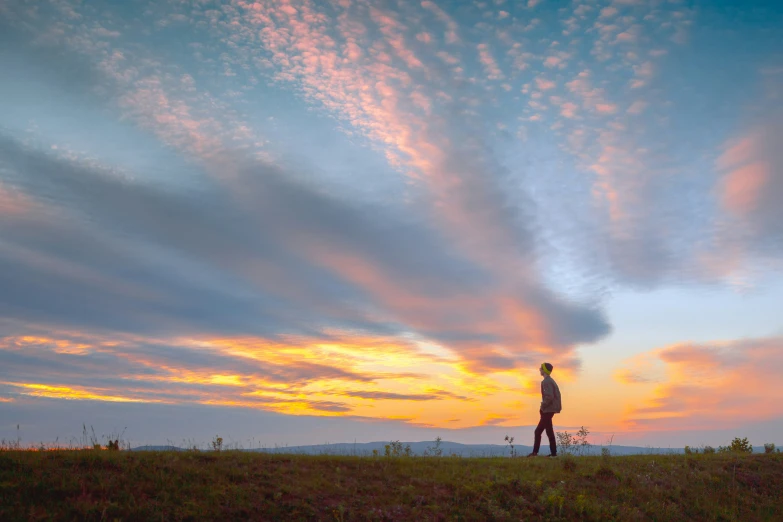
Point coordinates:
[[547, 394]]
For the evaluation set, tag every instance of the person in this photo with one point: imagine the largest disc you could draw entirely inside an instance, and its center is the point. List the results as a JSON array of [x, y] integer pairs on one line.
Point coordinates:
[[550, 404]]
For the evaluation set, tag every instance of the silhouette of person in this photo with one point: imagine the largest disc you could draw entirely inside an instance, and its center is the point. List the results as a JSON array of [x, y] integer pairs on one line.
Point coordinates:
[[550, 404]]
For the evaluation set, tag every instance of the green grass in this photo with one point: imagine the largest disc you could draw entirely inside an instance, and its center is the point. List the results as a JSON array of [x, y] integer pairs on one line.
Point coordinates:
[[119, 485]]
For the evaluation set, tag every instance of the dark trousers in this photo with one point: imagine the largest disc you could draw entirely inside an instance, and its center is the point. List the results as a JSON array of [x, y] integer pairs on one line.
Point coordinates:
[[545, 424]]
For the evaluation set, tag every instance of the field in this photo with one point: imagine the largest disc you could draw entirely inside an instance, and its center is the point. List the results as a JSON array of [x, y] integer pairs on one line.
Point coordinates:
[[235, 485]]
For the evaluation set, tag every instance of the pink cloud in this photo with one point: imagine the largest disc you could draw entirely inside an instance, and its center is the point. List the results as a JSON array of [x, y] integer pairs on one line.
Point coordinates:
[[752, 180], [637, 107], [607, 12], [553, 61], [424, 37], [545, 84], [606, 108], [451, 26], [744, 187], [392, 29], [568, 110], [642, 74], [490, 65]]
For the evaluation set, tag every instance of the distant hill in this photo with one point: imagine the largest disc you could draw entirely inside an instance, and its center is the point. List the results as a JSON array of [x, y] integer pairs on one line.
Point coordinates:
[[157, 448], [427, 447]]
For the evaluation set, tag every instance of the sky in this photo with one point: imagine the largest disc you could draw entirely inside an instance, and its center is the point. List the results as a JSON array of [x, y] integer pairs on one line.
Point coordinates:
[[296, 222]]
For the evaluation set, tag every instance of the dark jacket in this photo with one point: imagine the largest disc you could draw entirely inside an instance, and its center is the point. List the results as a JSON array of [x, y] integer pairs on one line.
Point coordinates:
[[550, 396]]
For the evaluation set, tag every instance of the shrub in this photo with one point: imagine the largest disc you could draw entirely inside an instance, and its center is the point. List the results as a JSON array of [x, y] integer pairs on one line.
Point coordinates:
[[395, 449], [741, 445], [769, 448], [691, 451], [708, 450]]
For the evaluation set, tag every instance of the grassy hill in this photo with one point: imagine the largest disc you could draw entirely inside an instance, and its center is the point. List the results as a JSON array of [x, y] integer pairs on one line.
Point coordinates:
[[191, 485]]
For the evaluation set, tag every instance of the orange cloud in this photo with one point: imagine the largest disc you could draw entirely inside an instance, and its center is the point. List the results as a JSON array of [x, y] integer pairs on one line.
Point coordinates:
[[70, 393], [341, 374], [707, 386]]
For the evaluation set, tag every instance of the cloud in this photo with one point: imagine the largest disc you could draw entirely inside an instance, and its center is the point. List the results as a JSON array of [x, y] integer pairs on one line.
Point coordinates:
[[216, 244], [747, 187], [752, 182], [452, 36], [637, 107], [545, 84], [490, 65], [608, 12], [209, 267], [707, 386]]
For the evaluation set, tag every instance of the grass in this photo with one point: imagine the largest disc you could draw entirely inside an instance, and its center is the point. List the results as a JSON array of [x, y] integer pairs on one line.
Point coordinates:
[[198, 485]]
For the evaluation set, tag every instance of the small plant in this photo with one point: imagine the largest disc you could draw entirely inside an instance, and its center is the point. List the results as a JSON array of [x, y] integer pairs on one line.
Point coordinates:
[[607, 452], [436, 450], [569, 464], [565, 441], [584, 505], [12, 444], [554, 498], [217, 443], [573, 444], [90, 439], [769, 448], [708, 450], [510, 441], [113, 445], [691, 451]]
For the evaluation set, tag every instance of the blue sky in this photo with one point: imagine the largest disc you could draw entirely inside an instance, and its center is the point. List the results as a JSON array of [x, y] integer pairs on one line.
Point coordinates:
[[381, 217]]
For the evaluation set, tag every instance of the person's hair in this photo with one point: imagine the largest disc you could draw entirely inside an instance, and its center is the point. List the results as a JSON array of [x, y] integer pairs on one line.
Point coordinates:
[[549, 367]]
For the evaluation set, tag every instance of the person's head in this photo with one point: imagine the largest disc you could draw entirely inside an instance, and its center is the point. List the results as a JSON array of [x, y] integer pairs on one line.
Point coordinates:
[[545, 369]]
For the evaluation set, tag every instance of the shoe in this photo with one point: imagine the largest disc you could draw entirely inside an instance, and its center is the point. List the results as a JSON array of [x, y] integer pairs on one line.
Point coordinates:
[[533, 455], [552, 456]]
